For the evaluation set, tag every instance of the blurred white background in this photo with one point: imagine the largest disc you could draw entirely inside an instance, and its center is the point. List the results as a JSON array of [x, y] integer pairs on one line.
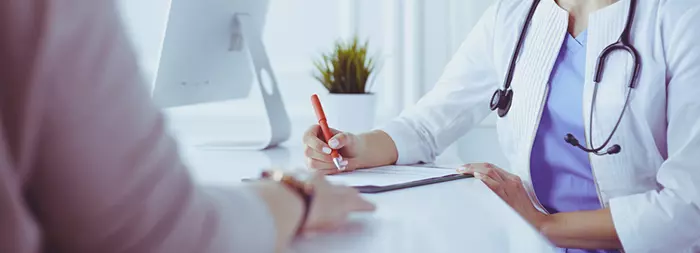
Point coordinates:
[[414, 40]]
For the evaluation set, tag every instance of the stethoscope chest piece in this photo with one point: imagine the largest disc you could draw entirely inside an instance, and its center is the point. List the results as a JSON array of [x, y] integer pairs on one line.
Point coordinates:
[[501, 101]]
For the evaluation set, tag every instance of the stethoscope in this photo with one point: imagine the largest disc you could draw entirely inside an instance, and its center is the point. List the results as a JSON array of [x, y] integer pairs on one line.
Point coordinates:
[[503, 98]]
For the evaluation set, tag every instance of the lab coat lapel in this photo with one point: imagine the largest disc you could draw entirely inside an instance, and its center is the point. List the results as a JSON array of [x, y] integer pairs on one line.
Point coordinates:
[[540, 50], [530, 83], [605, 27]]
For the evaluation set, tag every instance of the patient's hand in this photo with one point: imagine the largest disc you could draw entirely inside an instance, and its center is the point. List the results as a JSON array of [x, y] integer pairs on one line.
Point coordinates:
[[332, 205]]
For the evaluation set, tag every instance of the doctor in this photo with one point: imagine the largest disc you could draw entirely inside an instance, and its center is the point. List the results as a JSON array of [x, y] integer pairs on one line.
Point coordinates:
[[599, 117]]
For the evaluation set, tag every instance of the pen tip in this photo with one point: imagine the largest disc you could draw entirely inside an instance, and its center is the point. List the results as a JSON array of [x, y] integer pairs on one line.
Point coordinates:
[[338, 164]]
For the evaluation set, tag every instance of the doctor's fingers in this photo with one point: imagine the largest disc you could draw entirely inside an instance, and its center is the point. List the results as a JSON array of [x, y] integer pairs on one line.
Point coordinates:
[[312, 140], [328, 168], [341, 140], [509, 183], [484, 168], [495, 186], [505, 175], [316, 155]]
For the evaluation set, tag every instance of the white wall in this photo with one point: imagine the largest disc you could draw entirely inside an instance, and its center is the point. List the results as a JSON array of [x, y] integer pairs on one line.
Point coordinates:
[[145, 22], [449, 22], [414, 39]]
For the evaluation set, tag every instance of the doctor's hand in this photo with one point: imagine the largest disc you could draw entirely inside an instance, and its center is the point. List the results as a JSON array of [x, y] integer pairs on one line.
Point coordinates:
[[509, 187], [318, 153]]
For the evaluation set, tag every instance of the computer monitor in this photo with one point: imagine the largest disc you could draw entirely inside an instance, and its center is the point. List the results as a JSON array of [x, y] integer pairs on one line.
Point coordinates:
[[197, 62], [213, 51]]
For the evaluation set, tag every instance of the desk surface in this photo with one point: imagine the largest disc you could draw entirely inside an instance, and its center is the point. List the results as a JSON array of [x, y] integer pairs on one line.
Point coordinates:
[[459, 216]]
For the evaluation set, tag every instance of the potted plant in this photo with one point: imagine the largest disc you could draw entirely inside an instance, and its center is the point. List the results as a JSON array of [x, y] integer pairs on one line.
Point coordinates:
[[347, 73]]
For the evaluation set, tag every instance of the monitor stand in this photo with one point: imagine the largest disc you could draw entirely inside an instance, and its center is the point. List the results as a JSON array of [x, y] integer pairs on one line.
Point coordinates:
[[245, 36]]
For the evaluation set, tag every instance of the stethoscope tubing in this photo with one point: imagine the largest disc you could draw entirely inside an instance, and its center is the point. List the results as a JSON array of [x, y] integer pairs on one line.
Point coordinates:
[[503, 97]]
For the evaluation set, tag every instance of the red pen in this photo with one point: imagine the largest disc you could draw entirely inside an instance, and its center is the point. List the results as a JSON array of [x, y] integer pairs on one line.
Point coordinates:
[[337, 159]]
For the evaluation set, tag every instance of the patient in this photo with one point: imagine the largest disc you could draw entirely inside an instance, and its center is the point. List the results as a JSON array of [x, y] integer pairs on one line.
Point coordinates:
[[85, 161]]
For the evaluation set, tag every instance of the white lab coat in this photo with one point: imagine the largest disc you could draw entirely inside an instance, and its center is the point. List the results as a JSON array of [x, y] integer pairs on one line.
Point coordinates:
[[653, 185]]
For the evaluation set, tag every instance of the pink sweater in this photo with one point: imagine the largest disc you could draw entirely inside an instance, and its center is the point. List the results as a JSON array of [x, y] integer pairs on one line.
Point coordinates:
[[85, 161]]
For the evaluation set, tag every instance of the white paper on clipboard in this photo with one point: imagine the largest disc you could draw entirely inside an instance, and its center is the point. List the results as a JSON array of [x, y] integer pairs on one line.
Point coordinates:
[[389, 175]]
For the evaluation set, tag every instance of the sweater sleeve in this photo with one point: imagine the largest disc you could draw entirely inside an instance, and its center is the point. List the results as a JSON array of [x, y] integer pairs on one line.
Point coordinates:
[[106, 176], [668, 220]]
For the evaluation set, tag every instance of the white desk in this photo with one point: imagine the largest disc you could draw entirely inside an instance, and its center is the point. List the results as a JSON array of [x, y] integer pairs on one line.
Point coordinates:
[[460, 216]]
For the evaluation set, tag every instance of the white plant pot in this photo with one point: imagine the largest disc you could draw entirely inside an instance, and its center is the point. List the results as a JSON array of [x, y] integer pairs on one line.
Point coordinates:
[[350, 112]]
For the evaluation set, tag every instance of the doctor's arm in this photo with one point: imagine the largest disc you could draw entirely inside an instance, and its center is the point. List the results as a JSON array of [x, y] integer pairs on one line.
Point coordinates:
[[459, 101], [668, 220], [657, 221], [579, 230]]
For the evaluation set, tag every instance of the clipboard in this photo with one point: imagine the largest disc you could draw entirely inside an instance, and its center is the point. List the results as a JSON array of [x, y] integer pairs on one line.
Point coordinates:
[[374, 189]]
